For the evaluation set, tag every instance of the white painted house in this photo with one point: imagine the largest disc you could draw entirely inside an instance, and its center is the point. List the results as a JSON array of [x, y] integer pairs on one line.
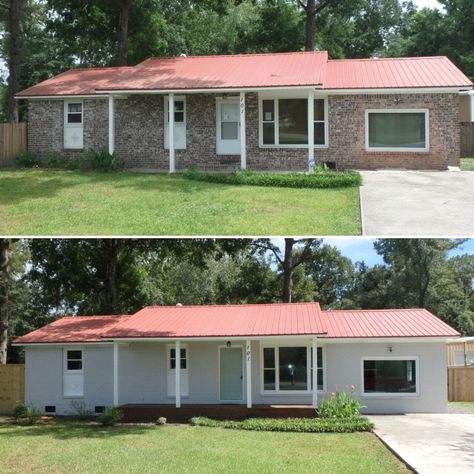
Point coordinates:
[[246, 355]]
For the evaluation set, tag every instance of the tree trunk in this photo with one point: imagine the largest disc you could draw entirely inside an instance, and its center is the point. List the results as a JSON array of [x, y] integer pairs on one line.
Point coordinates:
[[13, 60], [111, 252], [288, 270], [310, 25], [4, 281], [122, 33]]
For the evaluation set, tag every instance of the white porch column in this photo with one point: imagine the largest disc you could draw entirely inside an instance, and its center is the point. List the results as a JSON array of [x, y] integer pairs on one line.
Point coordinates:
[[171, 131], [116, 367], [315, 372], [243, 145], [111, 124], [177, 372], [248, 371], [310, 128]]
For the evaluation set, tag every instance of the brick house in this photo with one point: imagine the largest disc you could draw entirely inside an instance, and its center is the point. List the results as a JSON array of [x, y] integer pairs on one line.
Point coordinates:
[[256, 111]]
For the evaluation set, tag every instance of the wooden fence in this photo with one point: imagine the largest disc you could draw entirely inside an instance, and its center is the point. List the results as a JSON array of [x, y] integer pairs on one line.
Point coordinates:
[[13, 140], [461, 384], [467, 139], [12, 387]]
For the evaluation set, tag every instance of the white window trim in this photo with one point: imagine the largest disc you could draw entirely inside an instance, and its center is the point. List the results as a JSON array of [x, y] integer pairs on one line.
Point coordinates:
[[177, 98], [244, 377], [398, 149], [73, 125], [391, 394], [275, 98], [309, 391]]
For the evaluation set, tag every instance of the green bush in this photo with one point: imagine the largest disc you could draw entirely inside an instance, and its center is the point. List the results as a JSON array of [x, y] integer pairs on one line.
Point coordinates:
[[53, 160], [111, 416], [340, 405], [80, 410], [302, 425], [27, 414], [26, 159], [320, 178], [95, 160]]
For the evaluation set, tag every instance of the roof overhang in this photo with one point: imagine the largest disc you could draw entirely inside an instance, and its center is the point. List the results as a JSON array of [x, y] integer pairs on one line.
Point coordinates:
[[403, 90]]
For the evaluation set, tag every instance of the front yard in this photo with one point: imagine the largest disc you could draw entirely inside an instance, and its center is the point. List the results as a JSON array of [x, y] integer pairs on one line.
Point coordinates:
[[467, 164], [44, 202], [62, 446]]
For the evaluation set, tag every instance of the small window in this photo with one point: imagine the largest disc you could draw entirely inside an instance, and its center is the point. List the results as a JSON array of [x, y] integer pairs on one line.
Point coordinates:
[[50, 409], [390, 376], [268, 107], [319, 122], [74, 360], [183, 359], [397, 130], [269, 368], [320, 370], [74, 113], [99, 409], [179, 111]]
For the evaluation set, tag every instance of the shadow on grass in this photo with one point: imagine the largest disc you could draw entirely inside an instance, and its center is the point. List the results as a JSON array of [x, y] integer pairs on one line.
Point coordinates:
[[65, 429]]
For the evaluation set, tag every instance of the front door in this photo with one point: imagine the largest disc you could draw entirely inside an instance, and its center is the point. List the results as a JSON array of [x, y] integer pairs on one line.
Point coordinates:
[[228, 127], [231, 374]]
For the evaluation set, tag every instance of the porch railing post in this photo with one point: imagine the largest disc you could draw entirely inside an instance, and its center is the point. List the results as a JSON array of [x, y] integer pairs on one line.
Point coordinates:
[[116, 368], [177, 348], [243, 144], [111, 124], [248, 371], [310, 130], [171, 131], [315, 372]]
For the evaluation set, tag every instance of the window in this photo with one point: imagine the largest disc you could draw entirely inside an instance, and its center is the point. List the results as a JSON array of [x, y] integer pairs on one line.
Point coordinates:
[[178, 112], [179, 122], [182, 358], [320, 370], [390, 376], [286, 368], [397, 130], [284, 122], [74, 112], [73, 124], [74, 360]]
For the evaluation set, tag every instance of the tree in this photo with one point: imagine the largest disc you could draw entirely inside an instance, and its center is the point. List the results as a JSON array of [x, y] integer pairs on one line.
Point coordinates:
[[4, 290], [122, 33], [13, 59], [311, 10]]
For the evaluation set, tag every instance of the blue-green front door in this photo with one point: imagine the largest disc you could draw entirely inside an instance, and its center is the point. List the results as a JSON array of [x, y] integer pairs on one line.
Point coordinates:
[[231, 374]]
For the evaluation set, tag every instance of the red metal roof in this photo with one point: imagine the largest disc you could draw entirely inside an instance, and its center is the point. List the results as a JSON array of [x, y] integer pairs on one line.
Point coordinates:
[[256, 71], [72, 329], [436, 71], [295, 319]]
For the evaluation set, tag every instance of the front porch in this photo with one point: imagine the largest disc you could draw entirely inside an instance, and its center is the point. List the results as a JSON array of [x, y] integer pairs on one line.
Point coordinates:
[[151, 412]]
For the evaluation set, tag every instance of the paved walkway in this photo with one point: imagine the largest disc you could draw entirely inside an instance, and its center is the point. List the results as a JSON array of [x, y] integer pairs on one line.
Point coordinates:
[[430, 443], [417, 203]]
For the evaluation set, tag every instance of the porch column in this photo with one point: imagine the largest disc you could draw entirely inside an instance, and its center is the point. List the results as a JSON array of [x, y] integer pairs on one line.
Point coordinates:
[[171, 131], [177, 372], [116, 366], [248, 371], [310, 129], [315, 372], [111, 124], [243, 147]]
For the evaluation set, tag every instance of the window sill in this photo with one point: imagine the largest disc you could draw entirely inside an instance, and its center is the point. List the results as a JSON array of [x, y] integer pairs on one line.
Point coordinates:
[[300, 147], [397, 150]]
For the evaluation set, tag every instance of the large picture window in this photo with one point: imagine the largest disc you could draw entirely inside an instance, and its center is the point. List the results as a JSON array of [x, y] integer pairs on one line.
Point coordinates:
[[390, 376], [286, 369], [284, 122], [397, 130]]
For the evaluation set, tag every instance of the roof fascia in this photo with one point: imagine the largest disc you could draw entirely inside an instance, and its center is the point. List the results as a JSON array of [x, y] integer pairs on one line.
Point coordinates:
[[214, 338], [369, 340], [402, 90], [60, 344], [50, 97]]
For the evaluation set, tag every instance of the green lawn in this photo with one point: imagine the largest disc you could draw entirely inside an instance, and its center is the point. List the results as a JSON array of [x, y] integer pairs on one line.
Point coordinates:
[[73, 448], [463, 404], [44, 202], [467, 164]]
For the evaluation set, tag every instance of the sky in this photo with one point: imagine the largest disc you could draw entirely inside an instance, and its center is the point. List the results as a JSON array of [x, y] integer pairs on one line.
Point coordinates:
[[427, 3], [362, 248]]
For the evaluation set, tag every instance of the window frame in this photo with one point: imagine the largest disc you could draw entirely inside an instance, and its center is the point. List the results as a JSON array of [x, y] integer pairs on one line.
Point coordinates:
[[172, 347], [66, 359], [66, 113], [415, 394], [276, 122], [426, 148], [178, 98], [277, 391]]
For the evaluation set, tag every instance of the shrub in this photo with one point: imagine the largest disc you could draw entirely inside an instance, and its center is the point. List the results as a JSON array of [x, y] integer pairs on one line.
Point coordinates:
[[105, 161], [82, 161], [161, 420], [27, 414], [340, 405], [53, 160], [301, 425], [110, 417], [320, 178], [26, 159], [80, 409]]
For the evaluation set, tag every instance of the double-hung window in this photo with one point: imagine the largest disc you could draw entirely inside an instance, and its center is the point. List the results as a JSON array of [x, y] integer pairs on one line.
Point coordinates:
[[288, 368], [73, 378], [284, 122], [397, 130], [179, 122], [73, 124]]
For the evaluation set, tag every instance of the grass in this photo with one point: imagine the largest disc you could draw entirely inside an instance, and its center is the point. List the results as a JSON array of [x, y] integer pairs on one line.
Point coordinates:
[[45, 202], [467, 164], [62, 446], [463, 404]]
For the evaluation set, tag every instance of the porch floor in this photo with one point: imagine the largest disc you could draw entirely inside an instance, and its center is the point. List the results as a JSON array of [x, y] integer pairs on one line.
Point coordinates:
[[147, 413]]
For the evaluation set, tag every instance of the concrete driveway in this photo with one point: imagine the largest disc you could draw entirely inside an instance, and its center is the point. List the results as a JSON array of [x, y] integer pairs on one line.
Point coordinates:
[[430, 443], [417, 203]]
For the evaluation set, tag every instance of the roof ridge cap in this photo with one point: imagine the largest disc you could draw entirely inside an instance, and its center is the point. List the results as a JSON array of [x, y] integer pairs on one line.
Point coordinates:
[[227, 305], [404, 58]]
